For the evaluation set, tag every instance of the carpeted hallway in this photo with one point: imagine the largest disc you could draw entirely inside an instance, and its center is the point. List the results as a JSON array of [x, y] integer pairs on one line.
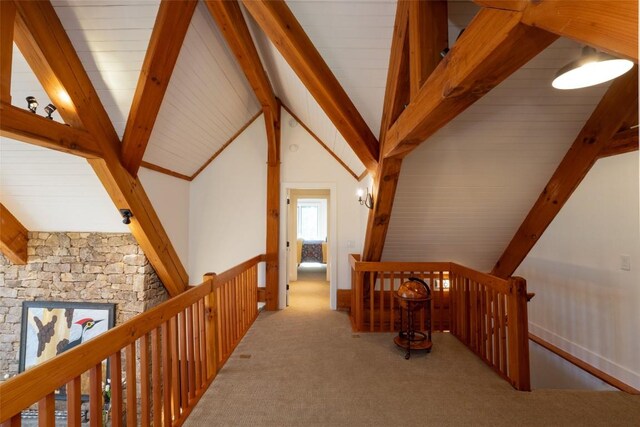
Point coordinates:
[[304, 366]]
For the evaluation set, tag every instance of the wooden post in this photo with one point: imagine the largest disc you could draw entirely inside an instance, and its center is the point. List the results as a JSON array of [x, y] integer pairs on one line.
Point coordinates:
[[272, 121], [211, 324], [518, 330], [359, 300]]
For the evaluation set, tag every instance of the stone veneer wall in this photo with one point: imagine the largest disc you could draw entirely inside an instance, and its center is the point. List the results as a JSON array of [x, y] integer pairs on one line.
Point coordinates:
[[87, 267]]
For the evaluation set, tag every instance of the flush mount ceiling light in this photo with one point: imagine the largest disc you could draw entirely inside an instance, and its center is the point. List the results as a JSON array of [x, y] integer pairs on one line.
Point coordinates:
[[32, 103], [590, 69]]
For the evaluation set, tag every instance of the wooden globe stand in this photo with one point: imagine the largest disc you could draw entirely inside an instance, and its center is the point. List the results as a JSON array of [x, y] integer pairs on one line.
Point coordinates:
[[411, 338]]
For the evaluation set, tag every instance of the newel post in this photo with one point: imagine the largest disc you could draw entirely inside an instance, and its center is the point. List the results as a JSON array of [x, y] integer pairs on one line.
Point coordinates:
[[359, 308], [518, 331], [211, 325]]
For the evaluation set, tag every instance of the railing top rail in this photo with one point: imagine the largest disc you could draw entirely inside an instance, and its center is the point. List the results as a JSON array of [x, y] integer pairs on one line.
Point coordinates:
[[29, 387], [234, 271], [397, 266], [501, 285]]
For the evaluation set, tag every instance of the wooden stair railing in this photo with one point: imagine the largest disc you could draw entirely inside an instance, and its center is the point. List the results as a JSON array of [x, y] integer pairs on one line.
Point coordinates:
[[486, 313], [169, 355]]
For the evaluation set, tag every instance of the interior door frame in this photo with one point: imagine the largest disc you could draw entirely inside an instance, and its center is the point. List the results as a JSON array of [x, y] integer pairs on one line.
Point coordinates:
[[285, 188]]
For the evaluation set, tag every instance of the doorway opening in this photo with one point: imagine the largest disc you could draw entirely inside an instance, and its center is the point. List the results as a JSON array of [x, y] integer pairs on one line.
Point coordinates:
[[310, 254]]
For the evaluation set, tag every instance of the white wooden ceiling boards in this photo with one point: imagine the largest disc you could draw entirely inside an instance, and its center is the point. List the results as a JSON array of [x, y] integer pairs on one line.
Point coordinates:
[[52, 191], [354, 38], [295, 96], [24, 83], [208, 100], [111, 39], [463, 193]]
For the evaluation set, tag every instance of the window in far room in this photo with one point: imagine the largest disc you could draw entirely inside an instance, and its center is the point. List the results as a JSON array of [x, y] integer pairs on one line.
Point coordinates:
[[312, 219]]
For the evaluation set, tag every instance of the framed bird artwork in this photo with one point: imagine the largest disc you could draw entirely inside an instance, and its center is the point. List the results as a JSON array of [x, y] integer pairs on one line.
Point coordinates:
[[53, 327]]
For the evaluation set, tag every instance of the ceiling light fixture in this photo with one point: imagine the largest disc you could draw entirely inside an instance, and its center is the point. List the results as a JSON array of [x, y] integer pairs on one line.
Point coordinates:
[[126, 216], [365, 200], [590, 69], [32, 103], [49, 109]]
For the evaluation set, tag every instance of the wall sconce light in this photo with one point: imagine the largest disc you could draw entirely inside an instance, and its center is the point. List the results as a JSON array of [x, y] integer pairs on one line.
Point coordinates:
[[49, 109], [32, 103], [363, 199], [126, 216], [590, 69]]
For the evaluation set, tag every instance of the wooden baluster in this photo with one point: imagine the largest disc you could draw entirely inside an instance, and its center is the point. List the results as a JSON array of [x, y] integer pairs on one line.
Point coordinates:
[[47, 411], [166, 373], [145, 404], [115, 374], [483, 321], [227, 321], [392, 317], [196, 346], [175, 367], [211, 334], [440, 293], [381, 300], [422, 310], [74, 402], [473, 295], [132, 400], [372, 299], [190, 356], [184, 376], [496, 330], [220, 330], [156, 377], [359, 301], [518, 334], [503, 333], [234, 312], [490, 325], [95, 396], [203, 343]]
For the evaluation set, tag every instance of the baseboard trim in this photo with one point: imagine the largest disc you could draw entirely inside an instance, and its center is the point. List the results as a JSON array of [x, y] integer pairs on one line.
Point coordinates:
[[614, 382]]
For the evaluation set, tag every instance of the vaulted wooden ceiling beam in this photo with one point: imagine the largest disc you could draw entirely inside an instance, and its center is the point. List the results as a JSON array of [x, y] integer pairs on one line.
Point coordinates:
[[169, 31], [428, 36], [493, 46], [617, 109], [234, 28], [7, 21], [286, 33], [62, 70], [610, 26], [23, 125], [624, 141], [13, 237], [397, 95]]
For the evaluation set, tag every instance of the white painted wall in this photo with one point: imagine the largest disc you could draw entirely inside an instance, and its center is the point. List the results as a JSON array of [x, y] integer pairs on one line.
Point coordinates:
[[312, 164], [170, 198], [227, 206], [550, 371], [47, 190], [585, 304]]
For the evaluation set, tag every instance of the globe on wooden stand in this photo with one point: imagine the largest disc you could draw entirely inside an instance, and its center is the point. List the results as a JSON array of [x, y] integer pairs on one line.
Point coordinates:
[[413, 295]]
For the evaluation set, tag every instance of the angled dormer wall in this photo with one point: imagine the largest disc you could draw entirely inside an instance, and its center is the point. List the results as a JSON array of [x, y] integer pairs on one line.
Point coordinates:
[[586, 303]]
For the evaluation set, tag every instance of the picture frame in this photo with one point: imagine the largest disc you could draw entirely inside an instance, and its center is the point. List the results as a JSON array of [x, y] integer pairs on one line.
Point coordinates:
[[50, 328]]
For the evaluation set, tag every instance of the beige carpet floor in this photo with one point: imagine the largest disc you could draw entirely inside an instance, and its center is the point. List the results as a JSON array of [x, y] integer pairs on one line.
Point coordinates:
[[304, 366]]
